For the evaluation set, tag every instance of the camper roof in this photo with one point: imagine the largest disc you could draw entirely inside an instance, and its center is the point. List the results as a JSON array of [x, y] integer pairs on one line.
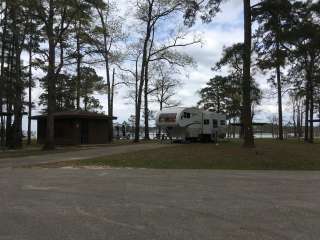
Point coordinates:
[[172, 110], [179, 109]]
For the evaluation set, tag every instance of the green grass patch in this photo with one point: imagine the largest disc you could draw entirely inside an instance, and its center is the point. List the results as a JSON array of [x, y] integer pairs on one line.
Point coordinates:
[[268, 155]]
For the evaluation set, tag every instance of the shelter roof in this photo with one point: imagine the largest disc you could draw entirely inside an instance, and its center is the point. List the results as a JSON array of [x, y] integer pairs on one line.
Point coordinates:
[[76, 114]]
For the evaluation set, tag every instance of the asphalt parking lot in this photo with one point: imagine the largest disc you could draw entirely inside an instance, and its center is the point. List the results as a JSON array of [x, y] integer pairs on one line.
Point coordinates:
[[158, 204]]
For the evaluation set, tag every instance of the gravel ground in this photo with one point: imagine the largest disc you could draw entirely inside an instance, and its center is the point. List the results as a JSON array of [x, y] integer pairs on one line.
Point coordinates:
[[158, 204]]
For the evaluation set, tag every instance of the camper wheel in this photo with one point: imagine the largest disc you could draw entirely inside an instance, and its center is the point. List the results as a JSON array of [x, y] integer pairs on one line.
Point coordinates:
[[214, 137], [205, 138], [190, 140]]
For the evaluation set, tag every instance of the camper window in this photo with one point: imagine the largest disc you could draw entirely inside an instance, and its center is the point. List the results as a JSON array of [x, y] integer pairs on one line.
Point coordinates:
[[206, 122], [168, 118], [215, 123], [222, 122], [186, 115]]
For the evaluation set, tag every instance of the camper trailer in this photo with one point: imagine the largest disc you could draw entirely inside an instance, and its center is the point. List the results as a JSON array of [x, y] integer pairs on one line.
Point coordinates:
[[192, 124]]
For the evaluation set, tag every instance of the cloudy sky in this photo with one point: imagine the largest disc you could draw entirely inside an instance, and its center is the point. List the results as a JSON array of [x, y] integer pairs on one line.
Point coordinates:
[[225, 30]]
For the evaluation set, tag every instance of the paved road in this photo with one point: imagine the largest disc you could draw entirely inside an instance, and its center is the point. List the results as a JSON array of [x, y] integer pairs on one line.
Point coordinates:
[[77, 155], [78, 204]]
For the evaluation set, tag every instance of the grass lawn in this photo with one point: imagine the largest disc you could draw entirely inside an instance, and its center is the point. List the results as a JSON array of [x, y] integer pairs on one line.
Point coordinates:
[[35, 149], [268, 155]]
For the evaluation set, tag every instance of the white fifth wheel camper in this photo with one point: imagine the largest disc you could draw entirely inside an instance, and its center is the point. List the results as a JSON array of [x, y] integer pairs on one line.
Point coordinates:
[[192, 124]]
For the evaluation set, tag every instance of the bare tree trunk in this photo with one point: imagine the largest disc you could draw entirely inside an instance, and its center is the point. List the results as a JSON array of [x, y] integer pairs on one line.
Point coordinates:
[[136, 95], [78, 69], [294, 113], [311, 137], [146, 89], [50, 141], [142, 77], [301, 121], [9, 97], [311, 95], [279, 83], [298, 121], [144, 62], [3, 47], [279, 103], [18, 85], [246, 82], [29, 93], [9, 126], [146, 104], [307, 108], [106, 53], [241, 128], [109, 92], [234, 128], [108, 84], [306, 117], [85, 96], [113, 84], [111, 103], [18, 106], [138, 113]]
